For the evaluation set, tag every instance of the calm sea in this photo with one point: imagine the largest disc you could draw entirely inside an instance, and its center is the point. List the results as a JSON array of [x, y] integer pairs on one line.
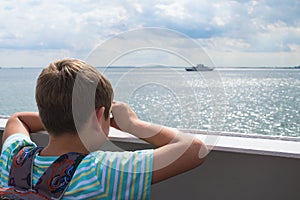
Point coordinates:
[[249, 101]]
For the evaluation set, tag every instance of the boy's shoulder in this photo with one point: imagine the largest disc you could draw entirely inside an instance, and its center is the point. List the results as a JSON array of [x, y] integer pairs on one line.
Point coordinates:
[[100, 169], [16, 142], [13, 144]]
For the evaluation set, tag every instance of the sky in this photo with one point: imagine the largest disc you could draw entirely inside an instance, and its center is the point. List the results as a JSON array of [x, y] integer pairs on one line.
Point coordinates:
[[232, 33]]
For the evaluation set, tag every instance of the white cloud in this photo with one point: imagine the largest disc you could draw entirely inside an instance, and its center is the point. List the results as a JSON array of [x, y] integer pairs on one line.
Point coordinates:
[[174, 10]]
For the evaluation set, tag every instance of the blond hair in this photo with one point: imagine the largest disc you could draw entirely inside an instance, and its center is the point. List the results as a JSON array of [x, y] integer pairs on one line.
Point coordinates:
[[54, 93]]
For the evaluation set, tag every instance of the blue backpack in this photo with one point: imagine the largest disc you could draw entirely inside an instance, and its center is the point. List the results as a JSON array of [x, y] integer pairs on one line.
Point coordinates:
[[51, 185]]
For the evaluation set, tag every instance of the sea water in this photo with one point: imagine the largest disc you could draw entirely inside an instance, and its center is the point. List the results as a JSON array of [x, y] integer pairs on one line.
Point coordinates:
[[249, 101]]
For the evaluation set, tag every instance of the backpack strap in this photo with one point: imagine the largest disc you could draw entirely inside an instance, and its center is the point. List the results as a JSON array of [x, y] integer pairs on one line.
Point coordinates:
[[20, 175], [54, 181]]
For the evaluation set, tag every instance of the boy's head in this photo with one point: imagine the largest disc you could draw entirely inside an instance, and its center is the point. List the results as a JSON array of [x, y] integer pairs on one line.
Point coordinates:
[[54, 94]]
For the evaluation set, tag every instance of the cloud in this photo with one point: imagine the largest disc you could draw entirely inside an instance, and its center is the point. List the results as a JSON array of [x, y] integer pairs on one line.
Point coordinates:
[[79, 26], [56, 25]]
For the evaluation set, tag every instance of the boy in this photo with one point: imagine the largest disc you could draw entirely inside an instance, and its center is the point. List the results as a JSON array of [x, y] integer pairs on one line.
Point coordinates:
[[73, 127]]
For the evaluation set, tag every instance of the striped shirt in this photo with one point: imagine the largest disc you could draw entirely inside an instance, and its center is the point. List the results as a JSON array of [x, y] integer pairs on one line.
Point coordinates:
[[100, 175]]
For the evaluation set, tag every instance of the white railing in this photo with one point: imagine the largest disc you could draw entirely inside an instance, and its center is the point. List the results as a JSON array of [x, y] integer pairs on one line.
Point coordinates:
[[226, 141]]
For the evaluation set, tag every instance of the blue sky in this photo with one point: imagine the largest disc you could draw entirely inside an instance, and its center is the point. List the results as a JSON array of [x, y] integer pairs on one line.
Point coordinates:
[[233, 33]]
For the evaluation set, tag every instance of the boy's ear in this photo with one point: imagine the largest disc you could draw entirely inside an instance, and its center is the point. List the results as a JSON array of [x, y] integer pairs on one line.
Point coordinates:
[[100, 113]]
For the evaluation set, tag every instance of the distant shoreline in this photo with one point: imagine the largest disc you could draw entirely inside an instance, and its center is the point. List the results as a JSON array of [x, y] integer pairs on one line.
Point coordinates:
[[296, 67]]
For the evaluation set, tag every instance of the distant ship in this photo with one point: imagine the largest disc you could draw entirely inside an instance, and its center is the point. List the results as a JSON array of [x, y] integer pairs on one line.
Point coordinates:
[[199, 67]]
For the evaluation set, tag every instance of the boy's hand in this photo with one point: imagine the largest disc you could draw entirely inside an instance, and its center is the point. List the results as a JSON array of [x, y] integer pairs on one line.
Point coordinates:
[[123, 116]]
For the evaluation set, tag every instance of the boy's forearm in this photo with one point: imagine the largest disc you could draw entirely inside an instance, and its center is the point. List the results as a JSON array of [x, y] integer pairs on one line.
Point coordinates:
[[31, 121], [154, 134], [176, 152], [22, 122]]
